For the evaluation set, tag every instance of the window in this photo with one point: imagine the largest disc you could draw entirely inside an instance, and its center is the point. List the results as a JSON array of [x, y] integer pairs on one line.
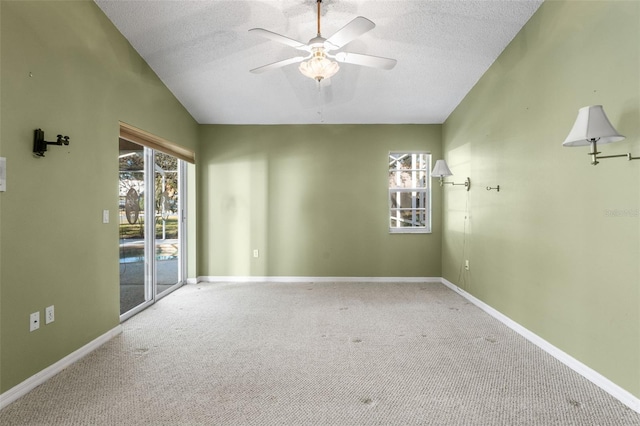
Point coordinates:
[[409, 192]]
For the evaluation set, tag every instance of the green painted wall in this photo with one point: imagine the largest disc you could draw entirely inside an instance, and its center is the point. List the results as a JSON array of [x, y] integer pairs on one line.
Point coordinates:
[[311, 199], [558, 248], [66, 69]]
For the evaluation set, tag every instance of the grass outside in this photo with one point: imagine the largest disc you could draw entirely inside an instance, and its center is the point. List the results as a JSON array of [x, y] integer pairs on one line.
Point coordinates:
[[129, 231]]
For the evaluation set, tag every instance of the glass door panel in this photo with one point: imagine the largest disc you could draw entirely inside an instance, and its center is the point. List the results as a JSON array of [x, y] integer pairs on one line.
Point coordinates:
[[167, 223], [152, 191], [134, 290]]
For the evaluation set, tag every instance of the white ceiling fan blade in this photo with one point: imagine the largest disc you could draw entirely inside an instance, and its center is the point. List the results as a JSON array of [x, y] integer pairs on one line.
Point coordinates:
[[279, 38], [366, 60], [349, 32], [278, 64]]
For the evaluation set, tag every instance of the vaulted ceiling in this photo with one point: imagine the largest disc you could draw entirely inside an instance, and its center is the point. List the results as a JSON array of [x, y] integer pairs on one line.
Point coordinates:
[[203, 51]]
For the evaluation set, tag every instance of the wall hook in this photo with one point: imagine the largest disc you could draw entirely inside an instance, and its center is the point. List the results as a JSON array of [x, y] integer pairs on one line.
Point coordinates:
[[497, 188], [40, 145]]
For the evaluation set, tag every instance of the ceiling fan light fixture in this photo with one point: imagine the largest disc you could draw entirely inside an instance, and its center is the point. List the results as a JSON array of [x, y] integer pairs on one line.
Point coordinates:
[[319, 67], [320, 64]]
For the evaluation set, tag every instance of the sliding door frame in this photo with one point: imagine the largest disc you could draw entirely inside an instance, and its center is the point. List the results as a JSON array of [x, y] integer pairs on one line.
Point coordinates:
[[151, 144]]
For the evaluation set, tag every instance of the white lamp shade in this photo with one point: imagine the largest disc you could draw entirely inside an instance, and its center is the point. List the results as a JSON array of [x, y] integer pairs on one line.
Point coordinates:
[[441, 169], [592, 124]]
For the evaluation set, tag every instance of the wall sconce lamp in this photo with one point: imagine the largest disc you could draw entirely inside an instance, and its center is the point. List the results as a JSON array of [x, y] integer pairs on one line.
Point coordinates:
[[40, 145], [592, 127], [440, 170]]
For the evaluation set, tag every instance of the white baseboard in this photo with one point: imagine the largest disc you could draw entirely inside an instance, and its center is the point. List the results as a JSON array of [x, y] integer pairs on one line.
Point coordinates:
[[593, 376], [39, 378], [289, 279]]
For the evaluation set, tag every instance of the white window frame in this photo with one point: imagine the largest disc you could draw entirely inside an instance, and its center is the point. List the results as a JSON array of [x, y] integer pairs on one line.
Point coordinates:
[[413, 189]]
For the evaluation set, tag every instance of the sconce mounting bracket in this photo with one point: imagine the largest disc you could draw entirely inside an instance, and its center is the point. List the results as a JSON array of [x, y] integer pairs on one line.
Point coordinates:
[[467, 183], [40, 145]]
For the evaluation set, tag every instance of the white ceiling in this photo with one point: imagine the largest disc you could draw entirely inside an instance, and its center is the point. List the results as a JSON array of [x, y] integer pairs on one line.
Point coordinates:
[[203, 52]]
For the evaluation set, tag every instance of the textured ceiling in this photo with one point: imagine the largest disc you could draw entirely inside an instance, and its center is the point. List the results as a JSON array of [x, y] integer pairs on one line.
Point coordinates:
[[202, 50]]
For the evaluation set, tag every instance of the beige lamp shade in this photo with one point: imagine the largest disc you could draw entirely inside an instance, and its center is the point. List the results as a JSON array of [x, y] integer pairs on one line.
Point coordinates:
[[592, 125]]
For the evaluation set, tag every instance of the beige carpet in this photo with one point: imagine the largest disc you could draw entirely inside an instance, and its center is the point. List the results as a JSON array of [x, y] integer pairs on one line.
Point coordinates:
[[317, 354]]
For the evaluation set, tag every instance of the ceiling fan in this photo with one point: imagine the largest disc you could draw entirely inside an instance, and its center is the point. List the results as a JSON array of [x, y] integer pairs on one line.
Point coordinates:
[[318, 63]]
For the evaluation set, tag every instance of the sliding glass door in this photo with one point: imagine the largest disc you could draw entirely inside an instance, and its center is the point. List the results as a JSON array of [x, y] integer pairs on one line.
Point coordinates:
[[132, 232], [167, 232], [151, 224]]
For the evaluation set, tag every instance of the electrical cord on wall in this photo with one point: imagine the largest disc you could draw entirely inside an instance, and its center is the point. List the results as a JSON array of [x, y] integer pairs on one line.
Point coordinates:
[[461, 275]]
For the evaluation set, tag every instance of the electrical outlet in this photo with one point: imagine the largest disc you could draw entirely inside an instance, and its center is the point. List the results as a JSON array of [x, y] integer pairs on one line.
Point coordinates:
[[256, 253], [34, 321], [105, 216], [3, 174], [466, 264], [49, 315]]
